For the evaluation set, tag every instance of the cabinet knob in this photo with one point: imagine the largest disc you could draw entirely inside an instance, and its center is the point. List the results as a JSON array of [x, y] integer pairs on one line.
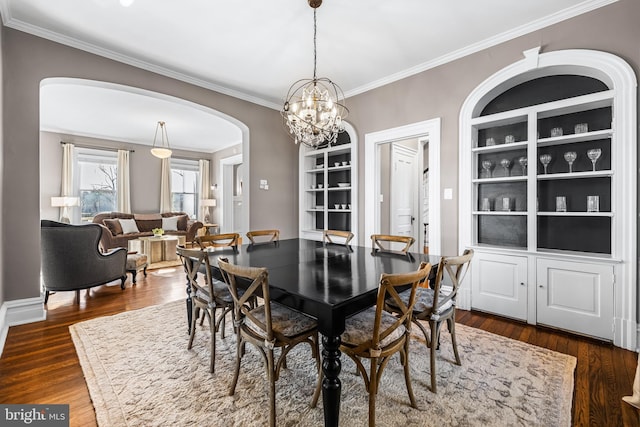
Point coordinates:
[[541, 287], [521, 283]]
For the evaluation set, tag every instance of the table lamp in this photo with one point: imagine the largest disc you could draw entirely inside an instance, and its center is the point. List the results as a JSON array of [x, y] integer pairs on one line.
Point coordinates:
[[65, 202], [205, 204]]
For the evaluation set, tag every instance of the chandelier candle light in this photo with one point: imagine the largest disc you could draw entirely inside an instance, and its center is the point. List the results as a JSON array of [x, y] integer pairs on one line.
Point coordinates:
[[314, 108], [163, 150]]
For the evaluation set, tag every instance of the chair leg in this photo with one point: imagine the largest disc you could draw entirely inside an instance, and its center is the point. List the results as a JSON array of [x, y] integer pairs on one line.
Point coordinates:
[[434, 340], [46, 296], [316, 393], [212, 328], [451, 323], [194, 316], [407, 374], [272, 388], [123, 280], [373, 391], [239, 352]]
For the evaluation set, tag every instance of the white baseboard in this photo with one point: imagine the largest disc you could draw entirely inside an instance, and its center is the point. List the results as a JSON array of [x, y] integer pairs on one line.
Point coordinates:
[[19, 312]]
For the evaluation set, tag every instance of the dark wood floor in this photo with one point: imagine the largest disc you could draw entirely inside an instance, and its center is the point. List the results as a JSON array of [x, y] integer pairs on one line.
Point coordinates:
[[39, 362]]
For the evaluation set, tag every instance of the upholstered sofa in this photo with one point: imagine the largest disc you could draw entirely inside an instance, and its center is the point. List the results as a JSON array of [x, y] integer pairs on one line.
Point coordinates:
[[115, 235]]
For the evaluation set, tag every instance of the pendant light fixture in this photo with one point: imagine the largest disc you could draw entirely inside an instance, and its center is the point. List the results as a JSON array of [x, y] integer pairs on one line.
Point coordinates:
[[163, 150], [314, 109]]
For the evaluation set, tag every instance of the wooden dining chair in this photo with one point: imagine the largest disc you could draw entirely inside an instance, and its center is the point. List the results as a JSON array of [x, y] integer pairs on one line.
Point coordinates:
[[329, 235], [267, 327], [436, 305], [210, 296], [225, 240], [383, 242], [377, 335], [273, 235]]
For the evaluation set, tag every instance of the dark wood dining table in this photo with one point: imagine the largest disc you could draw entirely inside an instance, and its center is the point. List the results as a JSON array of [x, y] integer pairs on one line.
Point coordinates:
[[326, 281]]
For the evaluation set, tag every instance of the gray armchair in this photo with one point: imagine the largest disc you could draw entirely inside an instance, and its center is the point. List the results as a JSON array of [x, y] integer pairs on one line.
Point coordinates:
[[71, 260]]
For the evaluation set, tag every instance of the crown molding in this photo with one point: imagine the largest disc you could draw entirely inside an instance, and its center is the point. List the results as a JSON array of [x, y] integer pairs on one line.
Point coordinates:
[[554, 18]]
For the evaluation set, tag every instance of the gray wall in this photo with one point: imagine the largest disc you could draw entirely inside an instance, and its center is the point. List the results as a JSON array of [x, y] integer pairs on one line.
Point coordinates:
[[27, 61], [440, 92]]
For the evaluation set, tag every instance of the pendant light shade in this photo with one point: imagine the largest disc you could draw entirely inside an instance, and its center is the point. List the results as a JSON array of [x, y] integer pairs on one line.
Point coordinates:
[[163, 150]]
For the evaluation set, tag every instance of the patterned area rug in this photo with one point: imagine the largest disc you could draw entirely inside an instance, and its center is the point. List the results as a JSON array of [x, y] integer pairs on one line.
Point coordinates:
[[140, 373]]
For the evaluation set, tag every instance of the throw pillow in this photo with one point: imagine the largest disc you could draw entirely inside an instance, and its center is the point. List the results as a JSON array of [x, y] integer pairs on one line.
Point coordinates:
[[183, 221], [128, 226], [113, 225], [170, 224]]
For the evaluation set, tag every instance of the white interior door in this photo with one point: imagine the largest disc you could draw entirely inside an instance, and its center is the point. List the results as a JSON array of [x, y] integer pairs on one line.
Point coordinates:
[[403, 191]]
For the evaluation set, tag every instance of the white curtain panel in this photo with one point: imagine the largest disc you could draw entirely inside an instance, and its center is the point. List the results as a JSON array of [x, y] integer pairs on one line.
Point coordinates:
[[67, 183], [123, 192], [204, 184], [67, 170], [165, 185]]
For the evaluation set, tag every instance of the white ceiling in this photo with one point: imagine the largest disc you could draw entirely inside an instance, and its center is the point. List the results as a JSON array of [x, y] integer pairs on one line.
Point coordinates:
[[255, 49]]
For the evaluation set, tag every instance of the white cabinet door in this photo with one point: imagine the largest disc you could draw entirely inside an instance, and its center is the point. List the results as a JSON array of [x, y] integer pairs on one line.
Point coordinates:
[[576, 296], [499, 284]]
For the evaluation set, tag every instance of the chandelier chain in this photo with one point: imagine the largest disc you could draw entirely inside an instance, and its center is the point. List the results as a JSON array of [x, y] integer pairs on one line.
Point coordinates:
[[315, 47]]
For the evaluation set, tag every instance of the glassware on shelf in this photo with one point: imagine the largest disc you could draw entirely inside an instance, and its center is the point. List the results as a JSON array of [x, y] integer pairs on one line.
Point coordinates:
[[561, 204], [506, 164], [581, 128], [523, 164], [487, 165], [593, 203], [556, 132], [545, 159], [490, 142], [509, 139], [486, 205], [506, 204], [570, 157], [593, 155]]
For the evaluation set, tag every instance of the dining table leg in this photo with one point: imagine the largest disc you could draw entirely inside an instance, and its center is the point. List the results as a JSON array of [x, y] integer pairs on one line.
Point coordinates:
[[331, 386]]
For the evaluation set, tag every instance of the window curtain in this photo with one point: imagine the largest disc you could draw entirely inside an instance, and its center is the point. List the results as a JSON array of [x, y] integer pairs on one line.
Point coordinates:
[[67, 170], [165, 186], [123, 192], [204, 184], [67, 186]]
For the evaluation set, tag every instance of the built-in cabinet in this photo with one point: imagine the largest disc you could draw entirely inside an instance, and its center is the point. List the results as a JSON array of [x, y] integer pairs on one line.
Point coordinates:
[[548, 189], [328, 188]]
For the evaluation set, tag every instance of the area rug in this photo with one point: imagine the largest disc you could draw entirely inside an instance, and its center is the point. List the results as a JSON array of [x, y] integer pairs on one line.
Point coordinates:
[[140, 373]]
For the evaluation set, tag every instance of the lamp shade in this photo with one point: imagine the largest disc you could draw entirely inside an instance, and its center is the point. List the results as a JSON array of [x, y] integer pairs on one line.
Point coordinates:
[[208, 202], [65, 201]]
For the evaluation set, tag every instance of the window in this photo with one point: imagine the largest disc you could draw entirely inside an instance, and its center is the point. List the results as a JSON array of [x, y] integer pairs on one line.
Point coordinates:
[[184, 186], [97, 181]]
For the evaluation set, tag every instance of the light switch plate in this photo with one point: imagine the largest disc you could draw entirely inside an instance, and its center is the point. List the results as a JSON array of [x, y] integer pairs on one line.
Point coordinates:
[[448, 193]]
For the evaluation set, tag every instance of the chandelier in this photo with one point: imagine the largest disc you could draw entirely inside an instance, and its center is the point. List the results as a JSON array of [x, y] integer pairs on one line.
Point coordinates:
[[314, 108], [163, 150]]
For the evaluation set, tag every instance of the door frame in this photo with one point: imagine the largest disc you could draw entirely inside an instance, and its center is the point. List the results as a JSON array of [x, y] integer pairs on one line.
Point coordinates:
[[426, 129]]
